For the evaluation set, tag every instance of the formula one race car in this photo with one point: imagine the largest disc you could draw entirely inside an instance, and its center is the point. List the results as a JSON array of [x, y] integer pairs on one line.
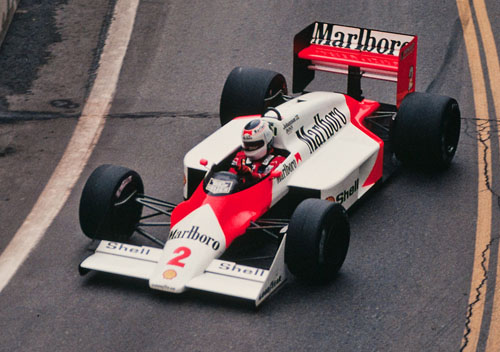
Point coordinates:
[[333, 149]]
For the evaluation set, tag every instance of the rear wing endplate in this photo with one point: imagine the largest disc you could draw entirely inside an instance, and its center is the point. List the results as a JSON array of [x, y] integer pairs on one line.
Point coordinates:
[[357, 52]]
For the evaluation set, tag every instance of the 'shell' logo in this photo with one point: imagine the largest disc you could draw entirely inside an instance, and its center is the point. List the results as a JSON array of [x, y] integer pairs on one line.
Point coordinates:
[[346, 194], [169, 274]]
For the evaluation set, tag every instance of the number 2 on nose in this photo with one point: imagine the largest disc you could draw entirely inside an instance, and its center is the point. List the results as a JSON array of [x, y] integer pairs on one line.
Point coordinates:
[[183, 252]]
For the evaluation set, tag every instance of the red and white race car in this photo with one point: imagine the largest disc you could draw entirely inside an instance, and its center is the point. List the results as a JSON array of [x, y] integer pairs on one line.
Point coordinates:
[[333, 149]]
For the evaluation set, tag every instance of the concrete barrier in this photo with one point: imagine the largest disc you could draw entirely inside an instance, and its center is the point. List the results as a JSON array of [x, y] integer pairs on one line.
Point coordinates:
[[7, 9]]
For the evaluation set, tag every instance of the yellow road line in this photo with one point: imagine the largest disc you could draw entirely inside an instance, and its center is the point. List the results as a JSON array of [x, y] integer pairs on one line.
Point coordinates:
[[80, 147], [491, 53], [483, 226]]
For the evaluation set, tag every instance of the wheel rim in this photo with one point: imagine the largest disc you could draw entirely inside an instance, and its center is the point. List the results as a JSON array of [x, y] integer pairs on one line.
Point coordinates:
[[126, 191], [274, 95], [451, 133], [332, 245], [323, 246], [125, 211]]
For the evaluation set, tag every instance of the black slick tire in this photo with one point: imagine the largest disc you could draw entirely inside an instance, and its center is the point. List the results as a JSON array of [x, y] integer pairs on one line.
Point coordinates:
[[317, 240], [426, 130], [108, 210], [250, 91]]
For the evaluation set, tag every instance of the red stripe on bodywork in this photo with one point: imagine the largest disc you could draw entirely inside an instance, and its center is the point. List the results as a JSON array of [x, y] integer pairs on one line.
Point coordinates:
[[234, 212], [359, 111]]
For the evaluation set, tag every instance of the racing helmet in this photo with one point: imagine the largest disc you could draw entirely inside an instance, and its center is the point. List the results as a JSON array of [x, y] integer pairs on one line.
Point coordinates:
[[257, 139]]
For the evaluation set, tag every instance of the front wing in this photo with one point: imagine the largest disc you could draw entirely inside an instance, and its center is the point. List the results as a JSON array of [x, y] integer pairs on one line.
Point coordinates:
[[220, 276]]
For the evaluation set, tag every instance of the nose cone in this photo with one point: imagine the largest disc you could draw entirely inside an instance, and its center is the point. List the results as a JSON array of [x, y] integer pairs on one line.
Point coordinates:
[[193, 243]]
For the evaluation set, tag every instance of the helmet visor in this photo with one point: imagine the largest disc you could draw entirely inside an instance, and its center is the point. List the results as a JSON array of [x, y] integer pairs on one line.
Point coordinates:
[[254, 145]]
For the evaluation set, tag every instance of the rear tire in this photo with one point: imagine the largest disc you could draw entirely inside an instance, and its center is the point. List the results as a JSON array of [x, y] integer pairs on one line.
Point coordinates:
[[317, 240], [108, 210], [250, 91], [426, 130]]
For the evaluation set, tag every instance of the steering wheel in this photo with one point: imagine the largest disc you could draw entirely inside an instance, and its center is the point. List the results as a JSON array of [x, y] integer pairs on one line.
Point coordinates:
[[278, 115]]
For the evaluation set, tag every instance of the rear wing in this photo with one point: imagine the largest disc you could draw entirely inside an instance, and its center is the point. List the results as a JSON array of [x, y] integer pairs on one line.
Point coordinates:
[[357, 52]]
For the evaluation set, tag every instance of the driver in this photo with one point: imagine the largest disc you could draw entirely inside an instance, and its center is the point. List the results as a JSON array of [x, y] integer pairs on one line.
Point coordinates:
[[257, 159]]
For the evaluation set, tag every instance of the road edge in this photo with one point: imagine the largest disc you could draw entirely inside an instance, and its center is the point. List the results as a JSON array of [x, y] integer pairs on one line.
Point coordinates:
[[83, 141]]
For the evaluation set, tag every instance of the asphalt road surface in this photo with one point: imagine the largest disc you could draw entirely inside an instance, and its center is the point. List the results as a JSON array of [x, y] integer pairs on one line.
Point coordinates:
[[406, 282]]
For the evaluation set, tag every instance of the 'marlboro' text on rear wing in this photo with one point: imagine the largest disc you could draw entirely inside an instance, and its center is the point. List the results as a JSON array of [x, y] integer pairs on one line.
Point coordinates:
[[357, 52]]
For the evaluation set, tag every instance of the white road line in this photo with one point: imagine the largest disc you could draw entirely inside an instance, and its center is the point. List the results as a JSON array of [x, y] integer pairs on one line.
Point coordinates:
[[80, 147]]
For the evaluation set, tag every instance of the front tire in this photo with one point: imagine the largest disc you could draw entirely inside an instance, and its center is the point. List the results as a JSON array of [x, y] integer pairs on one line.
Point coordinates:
[[250, 91], [108, 209], [317, 240], [426, 130]]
